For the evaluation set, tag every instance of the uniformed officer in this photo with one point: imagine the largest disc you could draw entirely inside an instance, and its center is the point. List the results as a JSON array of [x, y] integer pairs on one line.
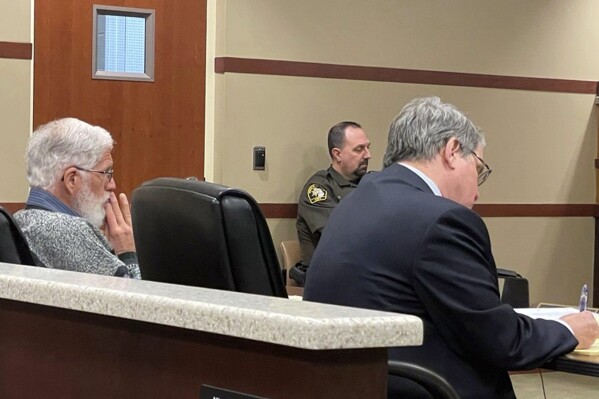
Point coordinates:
[[349, 151]]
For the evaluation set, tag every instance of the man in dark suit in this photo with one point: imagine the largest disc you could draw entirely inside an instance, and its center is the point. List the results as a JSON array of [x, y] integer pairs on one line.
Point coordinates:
[[407, 241]]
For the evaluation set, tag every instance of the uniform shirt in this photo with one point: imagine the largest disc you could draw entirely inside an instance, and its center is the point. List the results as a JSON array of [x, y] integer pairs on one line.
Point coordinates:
[[318, 198]]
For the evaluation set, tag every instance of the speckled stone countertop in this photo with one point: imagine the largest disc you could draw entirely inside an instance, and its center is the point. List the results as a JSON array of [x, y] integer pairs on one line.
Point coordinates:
[[275, 320]]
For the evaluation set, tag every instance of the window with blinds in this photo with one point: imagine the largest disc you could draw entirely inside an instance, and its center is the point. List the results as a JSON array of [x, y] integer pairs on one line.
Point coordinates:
[[123, 43]]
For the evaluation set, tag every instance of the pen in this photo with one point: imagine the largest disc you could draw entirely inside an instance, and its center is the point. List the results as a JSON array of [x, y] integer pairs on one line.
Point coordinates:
[[584, 295]]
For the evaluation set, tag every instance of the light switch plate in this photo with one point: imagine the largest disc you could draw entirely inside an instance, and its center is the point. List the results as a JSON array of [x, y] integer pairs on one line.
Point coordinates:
[[259, 157]]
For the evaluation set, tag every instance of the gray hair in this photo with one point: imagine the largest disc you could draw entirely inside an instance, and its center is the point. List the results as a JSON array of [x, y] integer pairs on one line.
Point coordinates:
[[62, 143], [423, 128], [336, 136]]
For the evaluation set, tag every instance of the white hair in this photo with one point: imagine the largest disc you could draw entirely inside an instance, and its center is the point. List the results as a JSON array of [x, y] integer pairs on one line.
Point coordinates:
[[423, 128], [62, 143]]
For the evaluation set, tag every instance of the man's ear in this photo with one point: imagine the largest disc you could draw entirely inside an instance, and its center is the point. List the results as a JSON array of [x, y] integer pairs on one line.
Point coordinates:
[[336, 154], [451, 151], [70, 180]]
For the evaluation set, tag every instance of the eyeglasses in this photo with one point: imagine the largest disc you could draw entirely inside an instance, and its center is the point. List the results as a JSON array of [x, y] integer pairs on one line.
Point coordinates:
[[108, 173], [483, 170]]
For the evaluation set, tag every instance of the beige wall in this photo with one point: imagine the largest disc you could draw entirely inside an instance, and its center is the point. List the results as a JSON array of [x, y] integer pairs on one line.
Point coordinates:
[[545, 38], [541, 145], [15, 98]]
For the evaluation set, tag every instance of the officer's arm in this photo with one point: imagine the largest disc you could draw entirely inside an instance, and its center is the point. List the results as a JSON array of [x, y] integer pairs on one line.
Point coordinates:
[[315, 206]]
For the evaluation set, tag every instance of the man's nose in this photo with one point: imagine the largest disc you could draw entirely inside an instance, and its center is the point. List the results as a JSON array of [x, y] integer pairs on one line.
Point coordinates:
[[367, 155], [111, 186]]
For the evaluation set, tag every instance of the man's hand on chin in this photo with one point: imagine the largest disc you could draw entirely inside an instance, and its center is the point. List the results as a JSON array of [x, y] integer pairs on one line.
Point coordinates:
[[117, 227]]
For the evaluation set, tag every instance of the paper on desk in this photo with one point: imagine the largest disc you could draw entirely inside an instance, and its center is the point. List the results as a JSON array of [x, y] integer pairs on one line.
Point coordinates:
[[556, 313], [546, 313], [592, 351]]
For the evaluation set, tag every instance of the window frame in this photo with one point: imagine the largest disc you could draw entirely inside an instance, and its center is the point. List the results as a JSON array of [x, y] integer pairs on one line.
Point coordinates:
[[149, 16]]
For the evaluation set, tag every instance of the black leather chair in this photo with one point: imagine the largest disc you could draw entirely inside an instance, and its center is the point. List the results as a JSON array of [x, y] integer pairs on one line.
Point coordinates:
[[13, 245], [433, 383], [515, 289], [203, 234]]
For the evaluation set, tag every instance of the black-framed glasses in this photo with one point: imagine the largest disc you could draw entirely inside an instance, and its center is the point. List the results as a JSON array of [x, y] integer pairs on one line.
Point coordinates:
[[108, 173], [483, 169]]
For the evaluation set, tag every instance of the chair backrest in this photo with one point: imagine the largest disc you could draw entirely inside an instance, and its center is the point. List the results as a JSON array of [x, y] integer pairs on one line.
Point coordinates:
[[515, 288], [13, 245], [290, 249], [433, 383], [203, 234]]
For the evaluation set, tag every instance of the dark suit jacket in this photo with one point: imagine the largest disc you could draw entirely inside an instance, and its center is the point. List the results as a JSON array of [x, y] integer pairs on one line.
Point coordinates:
[[393, 245]]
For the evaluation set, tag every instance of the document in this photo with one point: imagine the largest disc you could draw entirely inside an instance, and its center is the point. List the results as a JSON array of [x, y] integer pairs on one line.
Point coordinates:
[[556, 313], [546, 313], [592, 351]]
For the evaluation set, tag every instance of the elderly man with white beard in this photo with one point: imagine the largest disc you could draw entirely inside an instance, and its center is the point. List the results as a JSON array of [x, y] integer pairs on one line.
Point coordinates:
[[73, 220]]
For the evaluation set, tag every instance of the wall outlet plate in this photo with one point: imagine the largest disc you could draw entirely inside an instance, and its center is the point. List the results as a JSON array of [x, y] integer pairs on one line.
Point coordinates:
[[259, 152]]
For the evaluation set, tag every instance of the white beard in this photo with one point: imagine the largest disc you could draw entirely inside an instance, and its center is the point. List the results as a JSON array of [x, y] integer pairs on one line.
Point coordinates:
[[91, 207]]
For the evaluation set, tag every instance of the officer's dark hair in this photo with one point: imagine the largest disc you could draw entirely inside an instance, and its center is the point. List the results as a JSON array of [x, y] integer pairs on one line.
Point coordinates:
[[336, 138]]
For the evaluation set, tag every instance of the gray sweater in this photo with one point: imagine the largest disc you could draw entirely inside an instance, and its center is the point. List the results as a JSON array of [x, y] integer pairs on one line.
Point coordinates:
[[68, 242]]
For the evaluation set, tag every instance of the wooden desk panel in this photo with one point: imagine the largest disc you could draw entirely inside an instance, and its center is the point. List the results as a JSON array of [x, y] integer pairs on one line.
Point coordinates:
[[57, 353]]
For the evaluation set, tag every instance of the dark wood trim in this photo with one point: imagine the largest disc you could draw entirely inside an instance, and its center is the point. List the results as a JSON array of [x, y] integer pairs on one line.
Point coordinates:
[[596, 163], [279, 211], [399, 75], [289, 211], [595, 296], [537, 210], [14, 50], [12, 207]]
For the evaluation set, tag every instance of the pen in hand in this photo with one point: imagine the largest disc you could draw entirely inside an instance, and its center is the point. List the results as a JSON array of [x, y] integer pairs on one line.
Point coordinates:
[[584, 295]]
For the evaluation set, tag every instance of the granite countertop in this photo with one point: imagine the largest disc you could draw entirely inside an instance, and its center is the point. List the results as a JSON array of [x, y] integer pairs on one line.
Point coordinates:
[[281, 321]]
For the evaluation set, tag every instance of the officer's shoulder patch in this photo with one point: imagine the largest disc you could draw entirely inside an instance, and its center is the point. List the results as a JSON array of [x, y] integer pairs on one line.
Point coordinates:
[[316, 193]]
